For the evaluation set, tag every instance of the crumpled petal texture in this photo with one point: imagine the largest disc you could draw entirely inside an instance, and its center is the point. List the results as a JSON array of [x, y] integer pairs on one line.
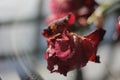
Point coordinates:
[[68, 51], [59, 25]]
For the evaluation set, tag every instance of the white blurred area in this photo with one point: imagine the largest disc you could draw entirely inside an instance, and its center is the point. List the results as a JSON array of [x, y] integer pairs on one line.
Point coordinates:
[[14, 31], [21, 37], [17, 9], [20, 34]]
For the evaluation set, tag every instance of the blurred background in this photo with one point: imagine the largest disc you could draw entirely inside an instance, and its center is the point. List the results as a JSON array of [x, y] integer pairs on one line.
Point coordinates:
[[22, 46]]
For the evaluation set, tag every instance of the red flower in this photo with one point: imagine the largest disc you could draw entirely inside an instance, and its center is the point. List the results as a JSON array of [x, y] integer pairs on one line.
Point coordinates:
[[68, 51], [64, 6], [60, 8]]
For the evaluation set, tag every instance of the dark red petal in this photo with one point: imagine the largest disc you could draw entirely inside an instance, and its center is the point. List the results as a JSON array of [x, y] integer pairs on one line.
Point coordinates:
[[95, 58], [96, 36], [47, 33], [62, 47]]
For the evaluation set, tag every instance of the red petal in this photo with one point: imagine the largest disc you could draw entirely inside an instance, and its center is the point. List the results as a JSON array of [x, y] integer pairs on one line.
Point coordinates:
[[71, 18], [62, 47], [96, 36]]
